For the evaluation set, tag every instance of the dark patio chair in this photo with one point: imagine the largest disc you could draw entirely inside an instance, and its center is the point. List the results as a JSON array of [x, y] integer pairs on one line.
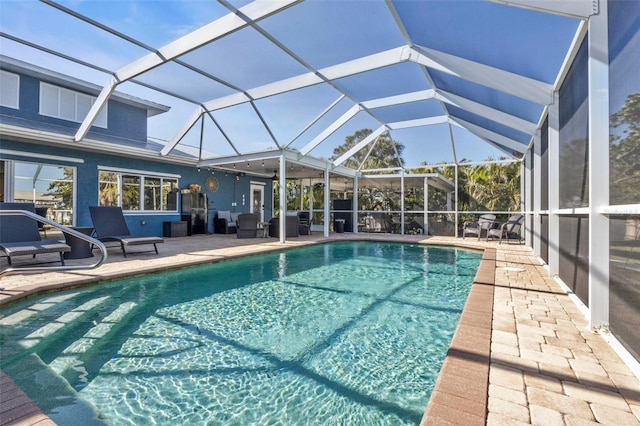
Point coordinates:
[[247, 226], [304, 223], [20, 236], [224, 222], [42, 211], [109, 225], [291, 229]]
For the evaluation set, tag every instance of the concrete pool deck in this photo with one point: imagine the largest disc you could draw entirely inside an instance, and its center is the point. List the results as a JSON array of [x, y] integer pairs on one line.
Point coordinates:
[[522, 353]]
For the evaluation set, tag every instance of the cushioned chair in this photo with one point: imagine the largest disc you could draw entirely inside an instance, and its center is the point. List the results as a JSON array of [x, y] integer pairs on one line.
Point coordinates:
[[292, 228], [225, 222], [20, 236], [304, 223], [247, 225], [109, 225], [483, 224], [508, 229]]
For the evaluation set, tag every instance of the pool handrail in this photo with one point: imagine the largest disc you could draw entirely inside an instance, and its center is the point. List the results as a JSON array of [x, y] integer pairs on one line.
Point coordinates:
[[65, 230]]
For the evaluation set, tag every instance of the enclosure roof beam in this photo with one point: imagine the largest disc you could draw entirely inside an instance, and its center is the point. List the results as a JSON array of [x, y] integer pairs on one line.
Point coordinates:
[[581, 9], [360, 145], [331, 129], [429, 121], [492, 136], [185, 44], [514, 84]]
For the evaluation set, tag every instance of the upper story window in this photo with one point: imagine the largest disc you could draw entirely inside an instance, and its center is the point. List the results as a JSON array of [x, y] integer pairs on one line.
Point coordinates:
[[9, 90], [68, 105]]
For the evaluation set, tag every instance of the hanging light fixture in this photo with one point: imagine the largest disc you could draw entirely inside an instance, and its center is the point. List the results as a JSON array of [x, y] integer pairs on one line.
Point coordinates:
[[275, 175]]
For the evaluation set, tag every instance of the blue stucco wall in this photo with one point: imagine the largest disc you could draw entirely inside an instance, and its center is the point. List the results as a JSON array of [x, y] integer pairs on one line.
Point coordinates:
[[123, 121], [231, 190]]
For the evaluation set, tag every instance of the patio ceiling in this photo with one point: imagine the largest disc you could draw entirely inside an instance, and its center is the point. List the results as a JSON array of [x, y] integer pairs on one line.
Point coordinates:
[[247, 82]]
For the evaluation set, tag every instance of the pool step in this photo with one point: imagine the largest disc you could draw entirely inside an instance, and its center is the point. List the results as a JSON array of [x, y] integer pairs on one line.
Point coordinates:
[[70, 362]]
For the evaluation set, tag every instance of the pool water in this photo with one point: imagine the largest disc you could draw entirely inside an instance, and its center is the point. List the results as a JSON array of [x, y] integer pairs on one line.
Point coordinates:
[[343, 333]]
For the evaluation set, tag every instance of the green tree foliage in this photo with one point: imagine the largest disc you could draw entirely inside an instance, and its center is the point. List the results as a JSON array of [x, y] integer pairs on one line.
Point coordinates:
[[385, 153], [62, 189], [491, 186], [382, 153], [625, 153]]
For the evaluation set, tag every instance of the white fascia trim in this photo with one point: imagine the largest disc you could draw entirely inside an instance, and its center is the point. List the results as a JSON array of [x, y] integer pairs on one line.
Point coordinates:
[[357, 147], [146, 173], [504, 81], [580, 9], [12, 152], [429, 121], [331, 129], [243, 158], [367, 63], [39, 136], [488, 112], [492, 136]]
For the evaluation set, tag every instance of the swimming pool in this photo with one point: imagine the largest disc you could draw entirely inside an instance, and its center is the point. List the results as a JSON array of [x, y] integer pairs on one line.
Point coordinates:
[[341, 333]]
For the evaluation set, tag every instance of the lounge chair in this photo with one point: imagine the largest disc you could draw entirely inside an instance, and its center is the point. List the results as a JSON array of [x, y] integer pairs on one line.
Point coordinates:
[[483, 224], [510, 227], [247, 225], [109, 225], [20, 236]]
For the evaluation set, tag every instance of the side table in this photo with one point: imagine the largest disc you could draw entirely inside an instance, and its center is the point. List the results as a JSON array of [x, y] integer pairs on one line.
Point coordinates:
[[265, 228], [80, 249]]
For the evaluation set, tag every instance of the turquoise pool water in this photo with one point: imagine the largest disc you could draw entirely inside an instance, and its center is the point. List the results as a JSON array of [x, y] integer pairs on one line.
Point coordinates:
[[343, 333]]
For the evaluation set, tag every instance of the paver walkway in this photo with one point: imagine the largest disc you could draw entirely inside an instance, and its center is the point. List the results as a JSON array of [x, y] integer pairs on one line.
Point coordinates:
[[547, 366], [544, 366]]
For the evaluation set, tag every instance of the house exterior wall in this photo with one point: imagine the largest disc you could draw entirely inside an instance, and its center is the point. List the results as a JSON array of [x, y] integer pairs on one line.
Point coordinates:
[[230, 190], [123, 121], [126, 125]]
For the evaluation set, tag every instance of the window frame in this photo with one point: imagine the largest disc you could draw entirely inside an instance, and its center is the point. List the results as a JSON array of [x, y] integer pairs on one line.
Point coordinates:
[[142, 178], [11, 178], [47, 94], [9, 77]]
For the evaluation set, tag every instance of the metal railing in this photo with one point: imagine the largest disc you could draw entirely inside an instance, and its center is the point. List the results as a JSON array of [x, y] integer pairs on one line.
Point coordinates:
[[65, 230]]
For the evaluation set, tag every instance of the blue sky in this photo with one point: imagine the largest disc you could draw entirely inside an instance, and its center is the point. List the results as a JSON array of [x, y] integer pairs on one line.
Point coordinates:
[[320, 34]]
